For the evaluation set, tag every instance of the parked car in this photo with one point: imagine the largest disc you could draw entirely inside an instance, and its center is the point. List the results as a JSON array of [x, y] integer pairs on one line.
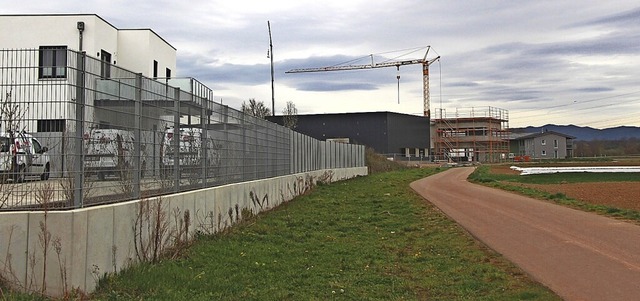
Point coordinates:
[[191, 151], [22, 156], [111, 152]]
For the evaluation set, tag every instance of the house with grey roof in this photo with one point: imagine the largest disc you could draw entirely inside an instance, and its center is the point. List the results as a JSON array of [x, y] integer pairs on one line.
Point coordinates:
[[543, 145]]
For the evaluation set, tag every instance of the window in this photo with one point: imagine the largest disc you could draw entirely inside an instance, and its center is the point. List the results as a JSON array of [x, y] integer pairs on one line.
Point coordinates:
[[544, 142], [50, 125], [544, 152], [168, 73], [155, 69], [37, 148], [105, 66], [53, 62], [555, 143]]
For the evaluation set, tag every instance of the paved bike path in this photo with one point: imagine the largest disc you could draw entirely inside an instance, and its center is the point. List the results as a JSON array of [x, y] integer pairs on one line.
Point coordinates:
[[578, 255]]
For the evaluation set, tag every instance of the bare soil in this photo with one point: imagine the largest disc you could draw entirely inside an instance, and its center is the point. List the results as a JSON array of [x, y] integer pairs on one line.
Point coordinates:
[[624, 195]]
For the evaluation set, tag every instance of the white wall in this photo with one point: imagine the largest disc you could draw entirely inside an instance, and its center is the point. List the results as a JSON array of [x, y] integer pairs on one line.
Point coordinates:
[[134, 50], [138, 48], [30, 31], [99, 240]]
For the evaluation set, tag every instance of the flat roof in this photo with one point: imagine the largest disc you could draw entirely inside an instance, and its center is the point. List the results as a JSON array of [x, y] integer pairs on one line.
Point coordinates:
[[93, 15]]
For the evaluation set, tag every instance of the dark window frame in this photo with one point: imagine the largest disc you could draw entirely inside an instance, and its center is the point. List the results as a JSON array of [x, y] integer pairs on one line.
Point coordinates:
[[50, 125], [52, 62], [155, 69], [105, 65]]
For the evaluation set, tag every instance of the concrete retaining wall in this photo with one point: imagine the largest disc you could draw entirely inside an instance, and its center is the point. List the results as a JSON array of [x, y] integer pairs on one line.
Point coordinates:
[[85, 244]]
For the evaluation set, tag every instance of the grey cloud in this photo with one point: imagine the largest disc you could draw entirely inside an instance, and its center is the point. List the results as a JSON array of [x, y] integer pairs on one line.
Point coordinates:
[[623, 19], [463, 84], [334, 86], [594, 89], [256, 74], [617, 43]]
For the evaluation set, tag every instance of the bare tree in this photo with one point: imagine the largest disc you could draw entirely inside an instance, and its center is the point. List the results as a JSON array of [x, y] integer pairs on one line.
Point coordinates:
[[12, 116], [256, 108], [290, 115]]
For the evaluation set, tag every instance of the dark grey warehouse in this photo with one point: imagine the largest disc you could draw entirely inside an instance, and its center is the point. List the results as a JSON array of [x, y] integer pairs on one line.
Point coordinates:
[[386, 132]]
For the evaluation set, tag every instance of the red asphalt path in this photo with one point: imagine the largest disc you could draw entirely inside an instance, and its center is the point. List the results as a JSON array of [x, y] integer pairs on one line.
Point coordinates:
[[578, 255]]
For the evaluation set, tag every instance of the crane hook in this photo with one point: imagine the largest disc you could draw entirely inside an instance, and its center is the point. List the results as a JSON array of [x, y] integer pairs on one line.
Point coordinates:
[[398, 77]]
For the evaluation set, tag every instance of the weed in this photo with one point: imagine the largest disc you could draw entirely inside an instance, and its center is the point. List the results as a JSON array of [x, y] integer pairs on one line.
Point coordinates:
[[558, 196], [247, 214], [325, 178], [57, 247], [264, 203], [150, 229], [378, 163]]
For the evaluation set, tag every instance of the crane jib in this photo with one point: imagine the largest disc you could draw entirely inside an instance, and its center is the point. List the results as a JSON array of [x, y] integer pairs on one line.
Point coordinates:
[[358, 67], [425, 74]]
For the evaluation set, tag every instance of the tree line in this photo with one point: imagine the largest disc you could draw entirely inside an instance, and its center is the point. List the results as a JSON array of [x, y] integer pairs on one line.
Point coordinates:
[[599, 148], [259, 110]]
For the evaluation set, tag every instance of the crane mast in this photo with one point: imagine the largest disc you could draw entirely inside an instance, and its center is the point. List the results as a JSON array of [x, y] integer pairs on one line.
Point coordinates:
[[425, 73]]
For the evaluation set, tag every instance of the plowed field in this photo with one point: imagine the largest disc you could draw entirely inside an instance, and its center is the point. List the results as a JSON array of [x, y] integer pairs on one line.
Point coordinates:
[[625, 195]]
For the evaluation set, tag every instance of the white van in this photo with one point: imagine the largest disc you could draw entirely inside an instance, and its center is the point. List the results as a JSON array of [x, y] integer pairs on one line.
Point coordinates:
[[22, 156], [191, 151], [111, 152]]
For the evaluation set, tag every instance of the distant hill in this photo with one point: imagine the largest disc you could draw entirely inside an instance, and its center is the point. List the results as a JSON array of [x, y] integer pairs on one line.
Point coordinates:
[[585, 133]]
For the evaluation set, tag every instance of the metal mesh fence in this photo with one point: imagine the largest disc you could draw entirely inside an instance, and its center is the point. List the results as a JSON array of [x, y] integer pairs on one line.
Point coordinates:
[[78, 131]]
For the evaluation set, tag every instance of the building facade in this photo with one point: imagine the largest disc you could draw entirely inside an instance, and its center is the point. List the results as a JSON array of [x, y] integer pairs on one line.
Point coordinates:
[[545, 145], [386, 132], [45, 58], [138, 50]]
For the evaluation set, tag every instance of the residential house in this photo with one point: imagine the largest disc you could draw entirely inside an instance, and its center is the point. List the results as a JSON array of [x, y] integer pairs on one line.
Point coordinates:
[[544, 145]]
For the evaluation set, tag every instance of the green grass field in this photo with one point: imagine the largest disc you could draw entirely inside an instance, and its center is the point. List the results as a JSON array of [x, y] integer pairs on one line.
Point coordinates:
[[370, 238]]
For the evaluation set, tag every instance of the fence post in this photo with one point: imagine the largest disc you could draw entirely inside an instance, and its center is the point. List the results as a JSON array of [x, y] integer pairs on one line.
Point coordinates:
[[78, 164], [137, 143], [204, 141], [176, 139], [225, 165], [243, 124]]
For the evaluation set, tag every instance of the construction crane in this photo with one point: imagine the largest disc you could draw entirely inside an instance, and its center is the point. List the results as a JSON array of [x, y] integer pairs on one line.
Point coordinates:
[[425, 73]]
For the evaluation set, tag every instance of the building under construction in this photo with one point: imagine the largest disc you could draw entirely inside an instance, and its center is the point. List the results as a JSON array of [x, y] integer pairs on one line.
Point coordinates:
[[471, 135]]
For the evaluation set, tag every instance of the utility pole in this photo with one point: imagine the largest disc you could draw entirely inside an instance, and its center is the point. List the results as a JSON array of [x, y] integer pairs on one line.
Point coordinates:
[[270, 55]]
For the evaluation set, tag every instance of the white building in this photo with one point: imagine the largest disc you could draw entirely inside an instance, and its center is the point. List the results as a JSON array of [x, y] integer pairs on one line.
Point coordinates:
[[40, 67], [70, 73], [137, 50]]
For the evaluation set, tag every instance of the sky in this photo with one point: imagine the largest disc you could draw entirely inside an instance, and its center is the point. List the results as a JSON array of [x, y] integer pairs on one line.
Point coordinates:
[[536, 62]]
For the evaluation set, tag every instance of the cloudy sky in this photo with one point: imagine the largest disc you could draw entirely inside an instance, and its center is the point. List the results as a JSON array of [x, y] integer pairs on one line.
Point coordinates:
[[561, 62]]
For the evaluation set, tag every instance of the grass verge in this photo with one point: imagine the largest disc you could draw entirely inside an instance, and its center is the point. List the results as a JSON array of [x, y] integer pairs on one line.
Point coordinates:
[[484, 176], [369, 238]]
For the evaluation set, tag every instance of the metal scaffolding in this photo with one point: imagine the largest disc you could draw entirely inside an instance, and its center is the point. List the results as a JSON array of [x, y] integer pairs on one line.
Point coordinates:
[[472, 135]]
